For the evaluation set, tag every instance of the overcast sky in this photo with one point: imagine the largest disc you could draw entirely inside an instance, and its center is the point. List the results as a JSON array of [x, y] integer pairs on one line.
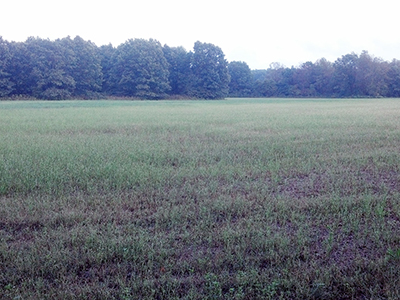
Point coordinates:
[[258, 32]]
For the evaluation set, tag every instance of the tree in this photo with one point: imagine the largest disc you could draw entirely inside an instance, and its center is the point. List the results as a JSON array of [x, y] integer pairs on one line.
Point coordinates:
[[393, 79], [304, 80], [140, 69], [371, 76], [179, 69], [106, 53], [87, 71], [20, 69], [323, 72], [259, 75], [6, 85], [264, 88], [271, 82], [283, 79], [210, 72], [241, 79], [39, 70], [344, 76]]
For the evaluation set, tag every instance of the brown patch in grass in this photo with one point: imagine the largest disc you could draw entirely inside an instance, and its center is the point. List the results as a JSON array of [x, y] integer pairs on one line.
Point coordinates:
[[16, 227], [345, 183], [18, 234], [385, 180]]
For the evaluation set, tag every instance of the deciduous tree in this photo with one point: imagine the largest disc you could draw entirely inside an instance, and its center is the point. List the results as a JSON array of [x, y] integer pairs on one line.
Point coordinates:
[[179, 69], [106, 53], [345, 75], [140, 69], [39, 70], [210, 72], [241, 79], [323, 71], [393, 78], [86, 71], [371, 76], [6, 85]]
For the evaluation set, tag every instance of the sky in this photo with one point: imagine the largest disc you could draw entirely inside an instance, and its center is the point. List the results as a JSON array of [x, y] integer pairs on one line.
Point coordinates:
[[258, 32]]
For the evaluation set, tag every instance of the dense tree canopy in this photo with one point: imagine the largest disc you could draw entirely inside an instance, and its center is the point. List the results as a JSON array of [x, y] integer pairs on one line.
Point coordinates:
[[40, 69], [74, 68], [351, 75], [241, 79], [210, 77], [179, 69], [106, 53], [139, 69], [87, 70], [6, 85], [393, 78]]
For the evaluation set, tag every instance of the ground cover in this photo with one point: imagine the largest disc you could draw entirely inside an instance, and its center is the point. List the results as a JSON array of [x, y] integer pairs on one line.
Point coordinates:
[[232, 199]]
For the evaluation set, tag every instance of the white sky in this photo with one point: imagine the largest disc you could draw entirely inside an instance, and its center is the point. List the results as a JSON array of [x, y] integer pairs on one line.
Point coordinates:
[[255, 31]]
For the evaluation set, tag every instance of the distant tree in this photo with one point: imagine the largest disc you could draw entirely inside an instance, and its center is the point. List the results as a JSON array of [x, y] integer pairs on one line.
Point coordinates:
[[259, 75], [312, 79], [140, 69], [323, 72], [39, 69], [6, 85], [179, 69], [87, 71], [106, 53], [264, 88], [241, 79], [210, 72], [67, 68], [371, 76], [268, 83], [344, 76], [20, 69], [393, 78], [68, 52], [284, 81], [304, 79], [276, 66]]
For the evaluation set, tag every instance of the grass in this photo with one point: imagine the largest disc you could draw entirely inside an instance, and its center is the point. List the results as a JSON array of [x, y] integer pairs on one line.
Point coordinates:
[[234, 199]]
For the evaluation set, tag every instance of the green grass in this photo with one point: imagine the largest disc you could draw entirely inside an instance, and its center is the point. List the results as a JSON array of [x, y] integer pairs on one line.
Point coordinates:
[[233, 199]]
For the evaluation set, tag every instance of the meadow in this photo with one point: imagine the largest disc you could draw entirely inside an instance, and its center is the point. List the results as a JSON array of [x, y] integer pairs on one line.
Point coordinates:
[[231, 199]]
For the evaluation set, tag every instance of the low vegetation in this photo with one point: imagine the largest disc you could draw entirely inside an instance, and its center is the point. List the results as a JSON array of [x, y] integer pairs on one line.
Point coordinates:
[[234, 199]]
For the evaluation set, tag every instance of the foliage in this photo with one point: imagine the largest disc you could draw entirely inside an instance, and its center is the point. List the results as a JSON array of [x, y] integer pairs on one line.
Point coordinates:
[[6, 85], [241, 82], [210, 72], [47, 70], [345, 75], [106, 53], [179, 70], [143, 69], [140, 69], [87, 71], [393, 76]]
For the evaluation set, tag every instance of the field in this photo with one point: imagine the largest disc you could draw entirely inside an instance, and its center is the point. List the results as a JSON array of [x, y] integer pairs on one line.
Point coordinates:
[[232, 199]]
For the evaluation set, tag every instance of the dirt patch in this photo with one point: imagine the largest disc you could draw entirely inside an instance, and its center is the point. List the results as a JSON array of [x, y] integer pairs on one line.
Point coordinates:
[[304, 186], [378, 182], [16, 227], [345, 183], [19, 234]]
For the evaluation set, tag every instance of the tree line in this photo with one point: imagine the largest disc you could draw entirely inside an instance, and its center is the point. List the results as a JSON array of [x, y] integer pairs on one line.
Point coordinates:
[[351, 75], [74, 68]]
